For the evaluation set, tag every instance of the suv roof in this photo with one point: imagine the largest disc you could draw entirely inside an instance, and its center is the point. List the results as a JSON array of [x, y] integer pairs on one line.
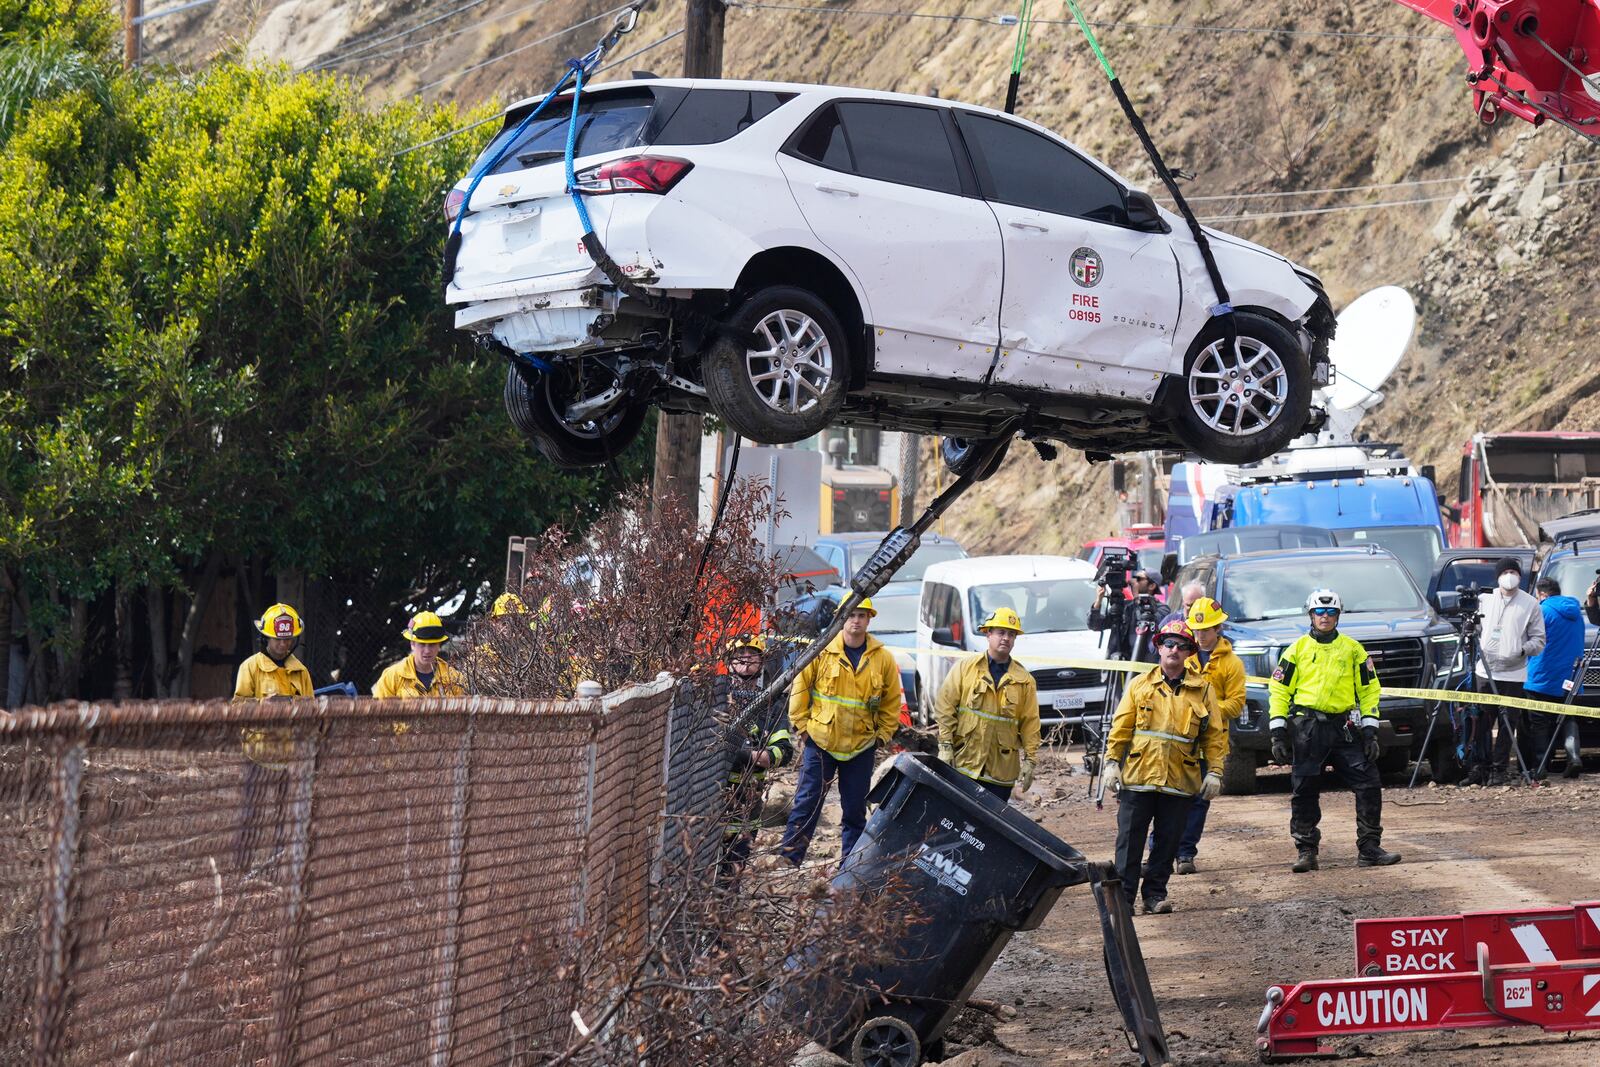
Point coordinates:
[[980, 570], [1350, 551]]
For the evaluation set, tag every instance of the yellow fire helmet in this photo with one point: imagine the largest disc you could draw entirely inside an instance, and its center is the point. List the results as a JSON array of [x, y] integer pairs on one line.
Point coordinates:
[[280, 621], [866, 606], [1205, 613], [1002, 619], [426, 628], [508, 604], [752, 641]]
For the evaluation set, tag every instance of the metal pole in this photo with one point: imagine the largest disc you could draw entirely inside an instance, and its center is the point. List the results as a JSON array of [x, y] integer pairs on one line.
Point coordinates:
[[132, 33]]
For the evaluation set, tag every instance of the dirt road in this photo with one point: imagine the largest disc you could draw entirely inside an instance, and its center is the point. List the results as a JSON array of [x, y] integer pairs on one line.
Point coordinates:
[[1245, 921]]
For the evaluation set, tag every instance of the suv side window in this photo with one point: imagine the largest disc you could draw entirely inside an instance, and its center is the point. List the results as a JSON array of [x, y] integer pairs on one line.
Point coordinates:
[[941, 606], [901, 143], [1020, 167], [709, 116]]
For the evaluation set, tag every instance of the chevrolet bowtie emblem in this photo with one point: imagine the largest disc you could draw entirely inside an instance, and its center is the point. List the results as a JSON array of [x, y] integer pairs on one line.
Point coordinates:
[[507, 190]]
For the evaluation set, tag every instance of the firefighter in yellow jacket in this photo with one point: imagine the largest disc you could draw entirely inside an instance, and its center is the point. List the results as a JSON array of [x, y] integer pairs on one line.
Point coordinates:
[[988, 712], [274, 672], [842, 706], [1166, 725], [1217, 664], [422, 673]]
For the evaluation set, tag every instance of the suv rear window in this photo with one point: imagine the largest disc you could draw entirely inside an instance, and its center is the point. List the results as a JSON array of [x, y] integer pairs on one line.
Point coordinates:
[[631, 119], [605, 122]]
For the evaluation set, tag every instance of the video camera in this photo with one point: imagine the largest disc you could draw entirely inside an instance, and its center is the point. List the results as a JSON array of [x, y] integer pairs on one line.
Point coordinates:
[[1116, 565], [1468, 600]]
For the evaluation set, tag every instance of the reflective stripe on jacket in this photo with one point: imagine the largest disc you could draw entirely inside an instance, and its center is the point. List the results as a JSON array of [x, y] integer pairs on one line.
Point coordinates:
[[991, 727], [844, 709], [400, 680], [1225, 672], [1160, 736], [1331, 676]]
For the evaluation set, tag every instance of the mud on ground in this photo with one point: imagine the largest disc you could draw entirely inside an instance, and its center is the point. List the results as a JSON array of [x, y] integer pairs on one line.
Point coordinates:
[[1245, 921]]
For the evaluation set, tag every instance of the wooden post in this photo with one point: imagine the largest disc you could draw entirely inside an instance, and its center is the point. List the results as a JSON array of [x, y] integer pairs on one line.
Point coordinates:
[[677, 468], [132, 33]]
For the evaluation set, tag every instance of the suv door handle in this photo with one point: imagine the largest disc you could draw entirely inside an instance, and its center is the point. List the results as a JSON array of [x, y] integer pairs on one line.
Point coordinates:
[[1018, 224], [843, 190]]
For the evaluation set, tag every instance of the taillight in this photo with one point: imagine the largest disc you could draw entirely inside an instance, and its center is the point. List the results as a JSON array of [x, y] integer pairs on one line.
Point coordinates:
[[635, 174], [452, 203], [883, 494]]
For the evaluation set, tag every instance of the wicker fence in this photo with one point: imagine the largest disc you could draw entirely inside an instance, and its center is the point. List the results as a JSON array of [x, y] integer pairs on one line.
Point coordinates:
[[342, 881]]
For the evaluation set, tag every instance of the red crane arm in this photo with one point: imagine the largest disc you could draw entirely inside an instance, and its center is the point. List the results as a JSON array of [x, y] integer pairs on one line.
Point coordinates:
[[1537, 59]]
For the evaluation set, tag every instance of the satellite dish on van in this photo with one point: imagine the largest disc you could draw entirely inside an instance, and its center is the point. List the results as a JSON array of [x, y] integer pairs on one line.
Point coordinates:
[[1374, 332]]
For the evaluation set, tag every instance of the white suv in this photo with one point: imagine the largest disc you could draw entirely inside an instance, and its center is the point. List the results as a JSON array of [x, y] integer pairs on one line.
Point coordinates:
[[809, 255]]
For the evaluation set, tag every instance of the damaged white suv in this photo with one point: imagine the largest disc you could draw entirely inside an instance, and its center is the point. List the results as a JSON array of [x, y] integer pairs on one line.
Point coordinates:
[[800, 255]]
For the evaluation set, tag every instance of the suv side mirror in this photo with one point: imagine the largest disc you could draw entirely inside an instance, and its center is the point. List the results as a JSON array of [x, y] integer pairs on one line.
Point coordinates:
[[1169, 567], [948, 635], [1143, 215]]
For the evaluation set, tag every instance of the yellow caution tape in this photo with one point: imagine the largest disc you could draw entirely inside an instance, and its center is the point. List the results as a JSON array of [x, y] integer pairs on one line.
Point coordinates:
[[1454, 695]]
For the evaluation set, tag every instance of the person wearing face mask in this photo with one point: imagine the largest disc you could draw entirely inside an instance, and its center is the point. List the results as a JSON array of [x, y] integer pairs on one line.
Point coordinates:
[[1513, 630]]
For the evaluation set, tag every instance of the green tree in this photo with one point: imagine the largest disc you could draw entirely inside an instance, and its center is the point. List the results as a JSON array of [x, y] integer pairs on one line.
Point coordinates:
[[223, 349]]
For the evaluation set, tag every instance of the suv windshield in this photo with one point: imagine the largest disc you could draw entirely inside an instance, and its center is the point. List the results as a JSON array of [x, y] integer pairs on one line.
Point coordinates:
[[923, 558], [1045, 605], [1574, 574], [896, 614], [1277, 588], [1416, 546]]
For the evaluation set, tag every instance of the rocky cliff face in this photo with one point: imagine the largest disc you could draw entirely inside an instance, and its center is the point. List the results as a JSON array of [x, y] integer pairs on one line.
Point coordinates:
[[1339, 134]]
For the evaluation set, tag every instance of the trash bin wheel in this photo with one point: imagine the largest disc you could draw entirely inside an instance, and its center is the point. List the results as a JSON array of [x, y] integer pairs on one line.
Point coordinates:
[[886, 1042]]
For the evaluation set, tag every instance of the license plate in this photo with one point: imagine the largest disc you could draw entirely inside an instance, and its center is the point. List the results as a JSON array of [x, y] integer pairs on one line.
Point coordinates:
[[1067, 702]]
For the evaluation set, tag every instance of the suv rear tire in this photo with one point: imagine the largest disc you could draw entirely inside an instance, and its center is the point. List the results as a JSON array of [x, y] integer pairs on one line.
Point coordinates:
[[794, 388], [1243, 406], [531, 406]]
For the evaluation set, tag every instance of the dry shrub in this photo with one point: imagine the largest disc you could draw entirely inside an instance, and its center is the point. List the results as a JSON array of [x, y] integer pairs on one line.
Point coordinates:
[[731, 970], [630, 599]]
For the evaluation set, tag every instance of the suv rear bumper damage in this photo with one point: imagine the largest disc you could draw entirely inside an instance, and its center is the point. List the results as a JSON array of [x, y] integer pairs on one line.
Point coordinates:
[[565, 320]]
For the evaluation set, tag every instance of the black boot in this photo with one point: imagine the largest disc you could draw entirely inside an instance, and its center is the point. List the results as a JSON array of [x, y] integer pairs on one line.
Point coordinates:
[[1375, 856], [1307, 861]]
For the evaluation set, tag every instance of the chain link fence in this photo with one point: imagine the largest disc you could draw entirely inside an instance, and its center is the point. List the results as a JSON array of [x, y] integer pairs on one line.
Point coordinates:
[[320, 882]]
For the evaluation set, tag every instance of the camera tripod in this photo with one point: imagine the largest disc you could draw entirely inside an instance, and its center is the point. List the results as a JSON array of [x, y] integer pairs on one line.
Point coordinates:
[[1477, 743]]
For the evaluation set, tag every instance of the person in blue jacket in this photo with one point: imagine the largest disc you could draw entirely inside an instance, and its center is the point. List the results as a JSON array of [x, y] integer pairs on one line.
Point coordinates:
[[1551, 669]]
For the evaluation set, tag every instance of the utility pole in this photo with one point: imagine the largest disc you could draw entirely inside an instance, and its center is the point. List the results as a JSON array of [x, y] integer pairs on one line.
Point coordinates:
[[132, 33], [678, 436]]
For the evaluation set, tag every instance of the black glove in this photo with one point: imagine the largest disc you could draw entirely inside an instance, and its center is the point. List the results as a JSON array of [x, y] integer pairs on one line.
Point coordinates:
[[1369, 743], [1281, 752]]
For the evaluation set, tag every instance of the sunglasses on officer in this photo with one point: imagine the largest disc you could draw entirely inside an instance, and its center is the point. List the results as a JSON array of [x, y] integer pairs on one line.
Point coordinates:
[[1324, 612], [1176, 642]]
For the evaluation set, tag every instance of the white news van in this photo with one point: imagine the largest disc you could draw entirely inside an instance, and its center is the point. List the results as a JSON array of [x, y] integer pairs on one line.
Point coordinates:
[[1052, 596]]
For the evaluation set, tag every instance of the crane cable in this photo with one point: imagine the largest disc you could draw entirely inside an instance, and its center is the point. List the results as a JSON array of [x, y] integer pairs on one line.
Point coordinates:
[[1018, 52], [1222, 309]]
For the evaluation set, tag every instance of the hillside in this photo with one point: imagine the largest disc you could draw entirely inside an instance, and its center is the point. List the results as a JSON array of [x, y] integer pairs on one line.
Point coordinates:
[[1508, 295]]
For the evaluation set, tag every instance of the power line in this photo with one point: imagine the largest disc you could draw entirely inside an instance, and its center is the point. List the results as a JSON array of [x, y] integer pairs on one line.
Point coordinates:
[[497, 117], [367, 46], [520, 48], [1408, 183], [1172, 27], [1366, 207], [408, 46]]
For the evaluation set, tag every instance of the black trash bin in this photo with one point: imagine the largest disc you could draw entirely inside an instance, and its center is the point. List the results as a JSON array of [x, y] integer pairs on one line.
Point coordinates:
[[977, 870]]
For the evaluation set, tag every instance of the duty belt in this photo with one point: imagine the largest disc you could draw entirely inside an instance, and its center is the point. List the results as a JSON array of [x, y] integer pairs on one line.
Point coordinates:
[[1297, 710]]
